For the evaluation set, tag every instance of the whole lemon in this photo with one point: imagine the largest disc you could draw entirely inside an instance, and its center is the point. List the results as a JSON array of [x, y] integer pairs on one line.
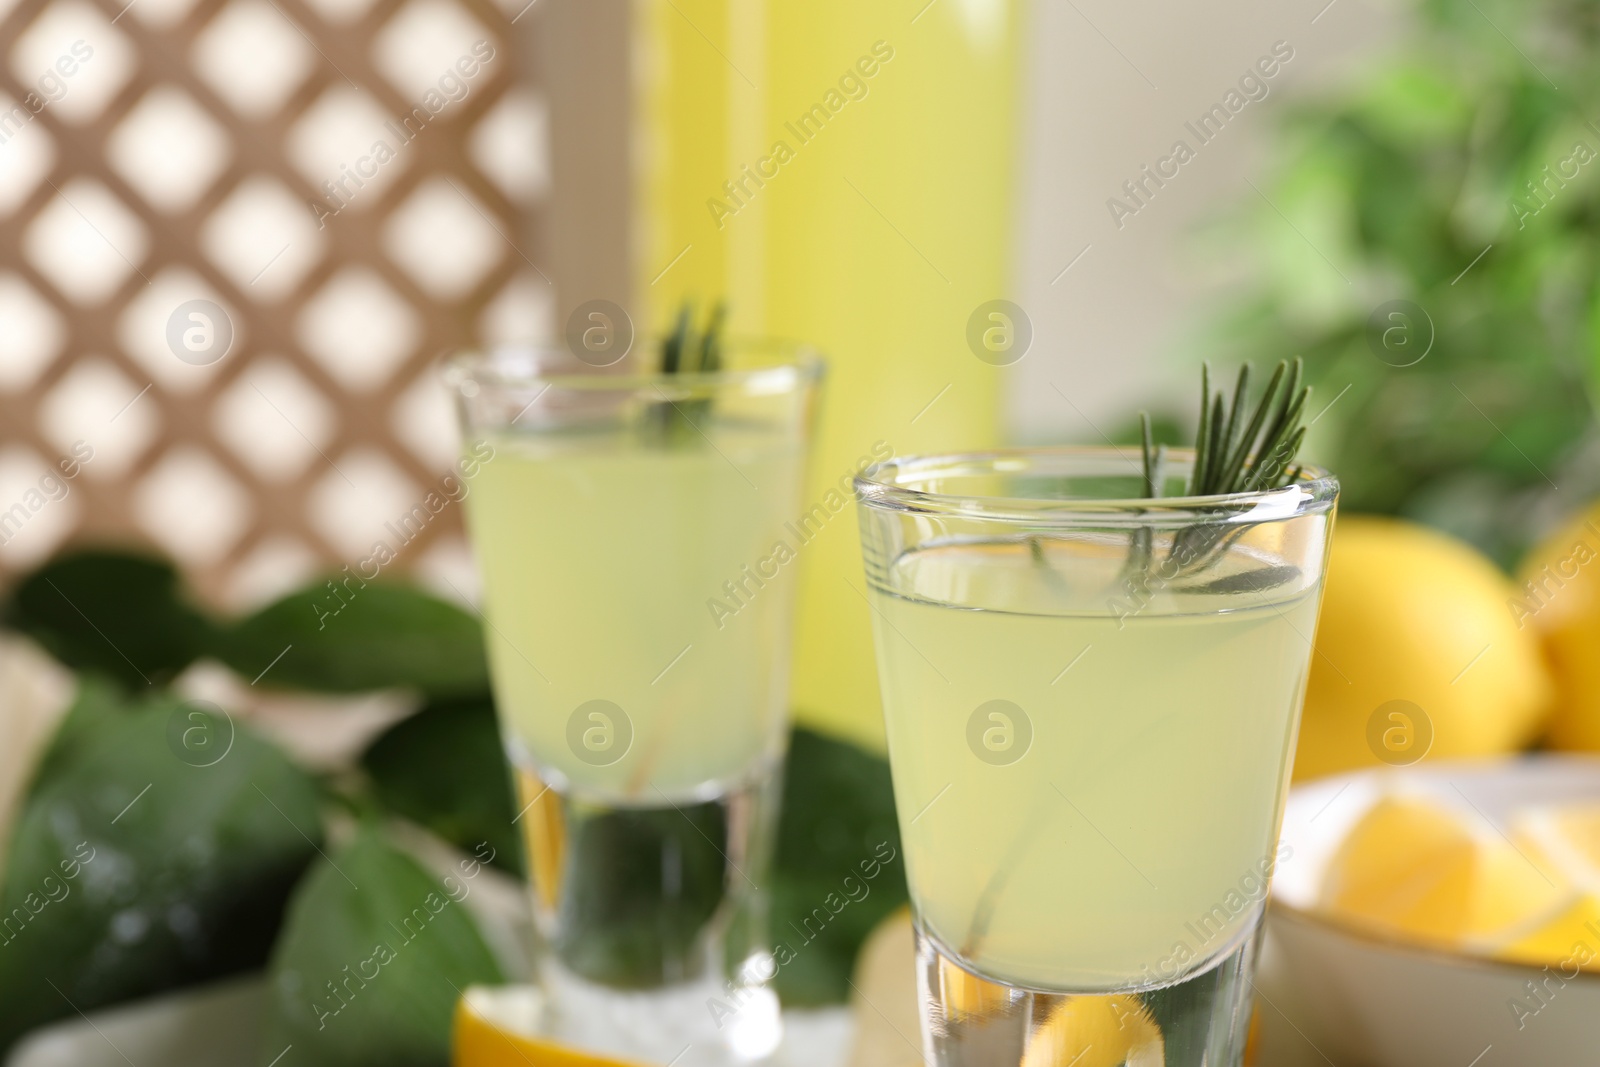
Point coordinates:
[[1417, 654], [1559, 599]]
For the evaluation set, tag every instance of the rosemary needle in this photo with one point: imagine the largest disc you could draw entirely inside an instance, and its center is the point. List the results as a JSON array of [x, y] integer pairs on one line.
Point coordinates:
[[683, 351], [1238, 449]]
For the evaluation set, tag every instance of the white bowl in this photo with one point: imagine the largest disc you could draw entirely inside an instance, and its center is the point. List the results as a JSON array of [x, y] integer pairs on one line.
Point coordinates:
[[1333, 995]]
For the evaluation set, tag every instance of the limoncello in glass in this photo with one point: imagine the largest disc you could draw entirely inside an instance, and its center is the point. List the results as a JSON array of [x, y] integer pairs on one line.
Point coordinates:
[[1090, 744], [628, 603], [636, 542]]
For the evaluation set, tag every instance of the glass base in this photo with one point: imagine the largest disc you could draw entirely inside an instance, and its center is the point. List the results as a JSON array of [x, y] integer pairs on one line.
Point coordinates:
[[1200, 1020], [651, 923]]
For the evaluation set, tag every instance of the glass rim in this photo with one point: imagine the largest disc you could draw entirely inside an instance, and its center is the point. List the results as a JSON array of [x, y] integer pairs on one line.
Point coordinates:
[[880, 487], [514, 366]]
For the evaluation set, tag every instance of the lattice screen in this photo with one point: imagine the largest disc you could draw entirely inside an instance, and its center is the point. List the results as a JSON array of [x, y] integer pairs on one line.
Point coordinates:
[[173, 151]]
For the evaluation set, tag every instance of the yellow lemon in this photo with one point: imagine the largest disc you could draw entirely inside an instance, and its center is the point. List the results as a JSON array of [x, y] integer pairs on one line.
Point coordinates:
[[964, 994], [1417, 870], [1110, 1031], [1567, 837], [1559, 599], [1566, 840], [544, 834], [1567, 943], [1580, 826], [1417, 653], [495, 1027]]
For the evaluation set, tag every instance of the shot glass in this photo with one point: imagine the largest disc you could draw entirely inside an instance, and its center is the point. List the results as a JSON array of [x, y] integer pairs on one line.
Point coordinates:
[[638, 584], [1091, 699]]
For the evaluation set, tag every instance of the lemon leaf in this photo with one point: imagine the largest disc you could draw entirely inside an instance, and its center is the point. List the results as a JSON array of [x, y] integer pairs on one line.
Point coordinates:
[[372, 960], [135, 872]]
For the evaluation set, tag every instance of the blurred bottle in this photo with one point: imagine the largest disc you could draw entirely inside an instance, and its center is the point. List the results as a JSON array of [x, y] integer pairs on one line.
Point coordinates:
[[842, 174]]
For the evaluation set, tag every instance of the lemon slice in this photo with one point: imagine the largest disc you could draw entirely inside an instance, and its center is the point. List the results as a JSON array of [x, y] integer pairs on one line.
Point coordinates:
[[495, 1028], [1568, 943], [1581, 827], [1564, 839], [1419, 870], [966, 995], [1568, 837], [1105, 1031]]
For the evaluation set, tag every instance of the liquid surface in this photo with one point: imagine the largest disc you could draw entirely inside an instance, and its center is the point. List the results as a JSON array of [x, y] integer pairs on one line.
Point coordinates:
[[1110, 824], [600, 561]]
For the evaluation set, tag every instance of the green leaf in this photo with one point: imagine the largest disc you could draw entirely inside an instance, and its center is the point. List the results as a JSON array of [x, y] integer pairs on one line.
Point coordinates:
[[1592, 343], [837, 823], [1415, 102], [365, 636], [97, 704], [133, 871], [371, 962], [112, 613], [445, 768]]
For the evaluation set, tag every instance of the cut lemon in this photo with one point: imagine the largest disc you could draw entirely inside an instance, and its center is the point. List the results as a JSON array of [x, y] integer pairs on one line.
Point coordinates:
[[1567, 836], [1417, 869], [1108, 1031], [1567, 944], [1581, 826], [1566, 841], [966, 995], [495, 1028]]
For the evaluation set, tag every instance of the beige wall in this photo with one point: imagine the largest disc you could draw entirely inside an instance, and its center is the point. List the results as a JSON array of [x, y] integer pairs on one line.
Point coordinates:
[[1109, 331]]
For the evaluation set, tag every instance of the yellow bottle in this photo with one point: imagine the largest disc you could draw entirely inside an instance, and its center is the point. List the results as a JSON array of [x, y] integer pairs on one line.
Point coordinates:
[[842, 173]]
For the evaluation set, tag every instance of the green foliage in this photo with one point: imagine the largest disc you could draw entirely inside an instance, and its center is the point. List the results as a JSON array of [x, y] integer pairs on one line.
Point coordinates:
[[363, 637], [373, 956], [838, 813], [192, 880], [132, 871], [1402, 183], [96, 705], [110, 613], [445, 768], [123, 616]]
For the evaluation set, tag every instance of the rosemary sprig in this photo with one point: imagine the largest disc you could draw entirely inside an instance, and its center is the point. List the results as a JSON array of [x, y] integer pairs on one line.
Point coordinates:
[[711, 340], [1237, 450], [683, 351], [674, 343], [704, 350], [1235, 456]]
